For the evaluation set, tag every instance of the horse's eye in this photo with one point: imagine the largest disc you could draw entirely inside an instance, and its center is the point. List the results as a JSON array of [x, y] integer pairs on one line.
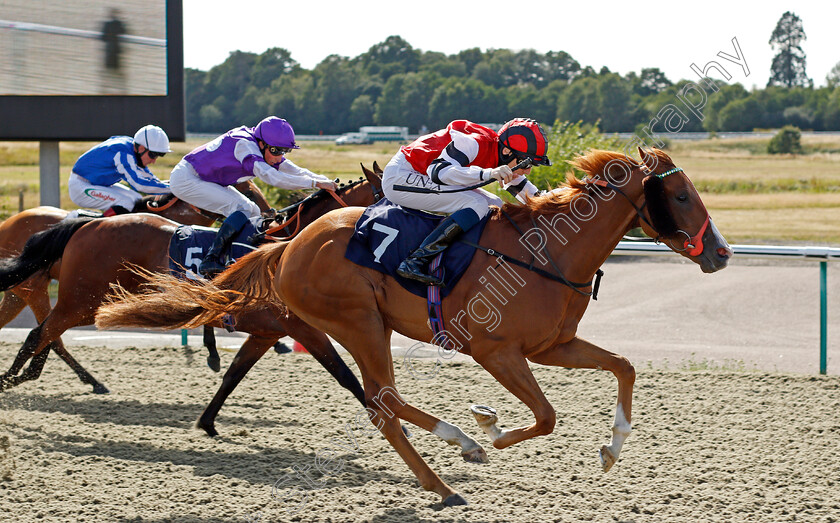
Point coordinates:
[[682, 198]]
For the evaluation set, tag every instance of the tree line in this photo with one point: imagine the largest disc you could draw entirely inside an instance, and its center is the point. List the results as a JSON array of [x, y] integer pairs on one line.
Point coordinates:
[[394, 84]]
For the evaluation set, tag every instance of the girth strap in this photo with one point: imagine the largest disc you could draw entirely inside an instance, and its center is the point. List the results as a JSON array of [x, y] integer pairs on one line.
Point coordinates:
[[545, 274]]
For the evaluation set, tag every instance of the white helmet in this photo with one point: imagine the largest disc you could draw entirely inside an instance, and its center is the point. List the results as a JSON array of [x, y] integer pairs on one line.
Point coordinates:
[[153, 138]]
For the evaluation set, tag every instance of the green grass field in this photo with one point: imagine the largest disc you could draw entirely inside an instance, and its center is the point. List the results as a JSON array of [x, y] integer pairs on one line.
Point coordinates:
[[752, 196]]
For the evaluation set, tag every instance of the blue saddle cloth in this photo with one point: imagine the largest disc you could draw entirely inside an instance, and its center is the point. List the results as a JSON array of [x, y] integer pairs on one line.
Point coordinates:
[[190, 242], [387, 233]]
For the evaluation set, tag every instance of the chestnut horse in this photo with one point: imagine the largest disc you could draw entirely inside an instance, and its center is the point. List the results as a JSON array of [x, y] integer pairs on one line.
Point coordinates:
[[578, 225], [34, 292], [94, 253]]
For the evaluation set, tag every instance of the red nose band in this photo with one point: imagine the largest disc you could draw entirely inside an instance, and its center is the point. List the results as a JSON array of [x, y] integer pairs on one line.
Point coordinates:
[[694, 245]]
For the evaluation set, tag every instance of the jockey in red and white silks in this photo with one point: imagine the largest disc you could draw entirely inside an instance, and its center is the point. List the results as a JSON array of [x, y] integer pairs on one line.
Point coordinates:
[[461, 155]]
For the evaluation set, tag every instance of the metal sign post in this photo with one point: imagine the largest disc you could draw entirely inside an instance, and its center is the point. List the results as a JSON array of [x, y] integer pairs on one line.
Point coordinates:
[[50, 174]]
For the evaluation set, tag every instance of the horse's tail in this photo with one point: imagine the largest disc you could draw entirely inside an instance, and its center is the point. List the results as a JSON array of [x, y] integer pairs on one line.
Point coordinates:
[[41, 251], [166, 302]]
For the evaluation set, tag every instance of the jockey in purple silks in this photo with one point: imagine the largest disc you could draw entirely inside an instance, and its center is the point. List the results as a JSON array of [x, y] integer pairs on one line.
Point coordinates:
[[206, 175]]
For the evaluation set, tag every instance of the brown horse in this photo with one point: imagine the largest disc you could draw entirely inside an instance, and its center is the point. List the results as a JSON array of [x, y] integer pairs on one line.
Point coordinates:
[[15, 231], [93, 255], [570, 233]]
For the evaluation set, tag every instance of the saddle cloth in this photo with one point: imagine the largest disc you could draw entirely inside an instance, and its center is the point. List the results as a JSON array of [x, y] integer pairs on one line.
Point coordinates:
[[190, 242], [387, 233]]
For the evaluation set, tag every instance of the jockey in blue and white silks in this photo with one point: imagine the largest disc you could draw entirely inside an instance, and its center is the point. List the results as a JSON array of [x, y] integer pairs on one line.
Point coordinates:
[[95, 178], [445, 164], [206, 176]]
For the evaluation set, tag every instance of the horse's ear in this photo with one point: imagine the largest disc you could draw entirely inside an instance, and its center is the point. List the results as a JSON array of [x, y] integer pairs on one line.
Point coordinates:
[[376, 168], [650, 159], [372, 177]]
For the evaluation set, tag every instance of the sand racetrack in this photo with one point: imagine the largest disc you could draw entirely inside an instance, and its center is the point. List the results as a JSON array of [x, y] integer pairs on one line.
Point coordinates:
[[731, 423], [707, 446]]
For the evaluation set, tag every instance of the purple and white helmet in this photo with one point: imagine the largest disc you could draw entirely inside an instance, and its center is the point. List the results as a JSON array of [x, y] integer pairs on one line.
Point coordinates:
[[277, 132]]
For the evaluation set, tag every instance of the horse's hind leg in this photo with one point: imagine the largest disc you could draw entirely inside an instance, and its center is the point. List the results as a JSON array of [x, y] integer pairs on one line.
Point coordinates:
[[251, 351], [581, 354], [39, 302], [213, 360], [373, 355], [39, 339], [10, 307], [27, 350]]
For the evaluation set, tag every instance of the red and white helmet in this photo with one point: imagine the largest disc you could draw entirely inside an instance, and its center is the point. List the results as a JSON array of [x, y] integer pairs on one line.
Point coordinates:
[[526, 139]]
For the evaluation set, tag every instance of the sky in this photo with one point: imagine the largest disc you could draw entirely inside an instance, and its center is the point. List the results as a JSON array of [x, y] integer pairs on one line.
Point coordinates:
[[623, 36]]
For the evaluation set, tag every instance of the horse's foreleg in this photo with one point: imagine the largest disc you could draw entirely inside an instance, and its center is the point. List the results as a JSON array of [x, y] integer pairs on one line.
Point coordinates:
[[581, 354], [213, 360], [251, 351], [512, 371]]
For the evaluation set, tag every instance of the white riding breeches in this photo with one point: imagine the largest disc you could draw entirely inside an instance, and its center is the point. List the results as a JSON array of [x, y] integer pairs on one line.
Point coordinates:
[[101, 197], [400, 172], [220, 199]]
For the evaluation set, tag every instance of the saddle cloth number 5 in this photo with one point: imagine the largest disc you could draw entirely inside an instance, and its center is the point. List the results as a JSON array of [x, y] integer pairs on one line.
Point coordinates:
[[191, 260], [390, 236]]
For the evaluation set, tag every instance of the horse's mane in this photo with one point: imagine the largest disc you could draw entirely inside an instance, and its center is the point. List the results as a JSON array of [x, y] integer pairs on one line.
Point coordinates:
[[558, 201]]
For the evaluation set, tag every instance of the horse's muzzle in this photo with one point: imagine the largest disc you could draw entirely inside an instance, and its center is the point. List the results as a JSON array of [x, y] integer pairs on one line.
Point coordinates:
[[717, 253]]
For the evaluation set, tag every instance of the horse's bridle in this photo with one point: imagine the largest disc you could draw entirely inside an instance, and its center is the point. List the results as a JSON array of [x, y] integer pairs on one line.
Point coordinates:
[[377, 195], [693, 245]]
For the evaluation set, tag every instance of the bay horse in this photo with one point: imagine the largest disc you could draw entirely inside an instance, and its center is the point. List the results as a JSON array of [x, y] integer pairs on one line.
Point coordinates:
[[535, 321], [94, 254], [34, 291]]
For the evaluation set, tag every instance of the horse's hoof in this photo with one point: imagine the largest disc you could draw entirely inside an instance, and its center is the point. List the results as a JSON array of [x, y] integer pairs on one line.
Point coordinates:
[[100, 389], [607, 458], [214, 363], [406, 431], [476, 455], [484, 415], [281, 348], [209, 428], [454, 500]]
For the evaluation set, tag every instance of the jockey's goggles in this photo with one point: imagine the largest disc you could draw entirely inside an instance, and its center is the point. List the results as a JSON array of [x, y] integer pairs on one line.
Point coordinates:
[[278, 151], [153, 155]]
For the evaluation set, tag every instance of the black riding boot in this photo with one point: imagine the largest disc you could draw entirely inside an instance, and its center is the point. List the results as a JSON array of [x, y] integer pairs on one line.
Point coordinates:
[[414, 267], [212, 264]]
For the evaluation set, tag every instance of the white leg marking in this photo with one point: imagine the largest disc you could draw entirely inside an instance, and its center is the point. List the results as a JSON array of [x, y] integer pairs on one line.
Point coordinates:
[[454, 436], [486, 418], [471, 451], [621, 430]]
